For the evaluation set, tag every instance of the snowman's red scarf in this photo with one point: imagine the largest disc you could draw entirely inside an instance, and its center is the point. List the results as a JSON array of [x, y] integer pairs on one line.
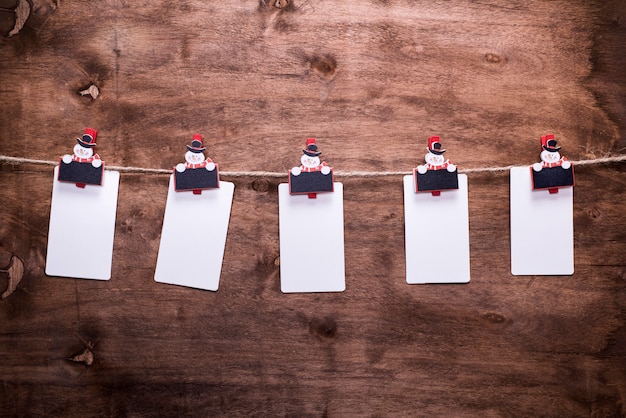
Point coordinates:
[[199, 165], [85, 160], [437, 167], [313, 169], [559, 163]]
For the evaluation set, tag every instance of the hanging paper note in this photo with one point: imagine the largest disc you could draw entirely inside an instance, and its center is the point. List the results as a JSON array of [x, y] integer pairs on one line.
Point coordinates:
[[311, 227], [542, 227], [195, 224], [82, 214], [436, 221]]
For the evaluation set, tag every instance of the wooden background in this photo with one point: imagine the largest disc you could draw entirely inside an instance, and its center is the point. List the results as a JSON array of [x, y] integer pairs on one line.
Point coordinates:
[[371, 80]]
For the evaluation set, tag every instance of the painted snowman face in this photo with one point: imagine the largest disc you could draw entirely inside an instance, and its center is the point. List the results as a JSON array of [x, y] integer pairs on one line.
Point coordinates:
[[310, 162], [434, 159], [194, 157], [83, 152], [550, 157]]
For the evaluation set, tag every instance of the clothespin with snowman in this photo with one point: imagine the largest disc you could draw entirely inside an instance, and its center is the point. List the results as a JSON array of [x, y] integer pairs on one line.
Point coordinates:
[[70, 207], [84, 166], [197, 173], [305, 201], [441, 223], [554, 171], [437, 174], [313, 176], [536, 214], [210, 212]]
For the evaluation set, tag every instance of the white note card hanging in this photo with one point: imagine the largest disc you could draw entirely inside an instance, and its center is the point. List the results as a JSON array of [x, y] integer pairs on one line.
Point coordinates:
[[194, 236], [311, 241], [542, 228], [82, 228], [436, 234]]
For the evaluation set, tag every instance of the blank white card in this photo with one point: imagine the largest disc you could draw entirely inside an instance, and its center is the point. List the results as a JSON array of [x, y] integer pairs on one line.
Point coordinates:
[[311, 241], [194, 236], [82, 227], [542, 228], [436, 234]]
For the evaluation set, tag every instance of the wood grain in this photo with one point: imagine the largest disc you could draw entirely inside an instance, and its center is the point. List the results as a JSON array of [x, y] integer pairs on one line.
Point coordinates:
[[371, 80]]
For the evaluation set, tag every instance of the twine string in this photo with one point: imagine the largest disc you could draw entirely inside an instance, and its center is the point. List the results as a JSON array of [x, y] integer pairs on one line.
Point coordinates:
[[594, 161]]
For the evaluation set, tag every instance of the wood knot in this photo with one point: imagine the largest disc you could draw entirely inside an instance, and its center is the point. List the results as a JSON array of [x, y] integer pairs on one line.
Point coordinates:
[[260, 185], [594, 213], [92, 91], [85, 356], [324, 66], [15, 273], [494, 317], [494, 58], [281, 4], [269, 5], [324, 328], [21, 12], [266, 265]]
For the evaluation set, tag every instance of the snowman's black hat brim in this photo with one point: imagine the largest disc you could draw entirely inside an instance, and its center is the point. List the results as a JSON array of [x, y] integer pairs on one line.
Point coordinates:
[[312, 153], [436, 151], [550, 149], [196, 150], [85, 144]]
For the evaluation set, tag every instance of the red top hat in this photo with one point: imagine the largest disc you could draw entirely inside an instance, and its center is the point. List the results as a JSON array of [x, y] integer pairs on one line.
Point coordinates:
[[549, 143], [434, 145], [89, 138], [196, 144], [311, 148]]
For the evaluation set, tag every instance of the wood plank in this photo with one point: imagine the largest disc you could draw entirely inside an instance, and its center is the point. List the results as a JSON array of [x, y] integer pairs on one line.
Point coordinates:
[[371, 80]]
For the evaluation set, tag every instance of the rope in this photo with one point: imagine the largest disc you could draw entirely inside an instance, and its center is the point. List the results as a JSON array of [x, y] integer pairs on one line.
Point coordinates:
[[594, 161]]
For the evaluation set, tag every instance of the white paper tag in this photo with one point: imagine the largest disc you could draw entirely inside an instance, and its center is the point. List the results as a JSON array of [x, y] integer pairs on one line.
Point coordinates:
[[82, 227], [194, 236], [436, 234], [542, 228], [311, 241]]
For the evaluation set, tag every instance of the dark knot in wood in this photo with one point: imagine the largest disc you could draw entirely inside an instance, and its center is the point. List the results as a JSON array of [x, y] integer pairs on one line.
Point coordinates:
[[594, 213], [325, 66], [494, 58], [85, 356], [15, 272], [260, 185], [494, 317], [21, 13], [281, 4], [324, 328]]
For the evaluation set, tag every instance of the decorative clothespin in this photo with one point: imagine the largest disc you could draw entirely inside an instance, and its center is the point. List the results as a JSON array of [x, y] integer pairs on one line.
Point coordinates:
[[437, 174], [313, 176], [554, 171], [534, 212], [92, 208], [197, 173], [295, 208], [84, 166], [440, 223]]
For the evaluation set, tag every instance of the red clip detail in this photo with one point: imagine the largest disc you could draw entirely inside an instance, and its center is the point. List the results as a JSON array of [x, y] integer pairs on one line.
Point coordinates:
[[197, 191], [312, 195], [436, 192], [553, 190], [81, 185]]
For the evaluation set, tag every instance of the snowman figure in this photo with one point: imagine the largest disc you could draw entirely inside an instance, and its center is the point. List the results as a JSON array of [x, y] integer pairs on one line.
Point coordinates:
[[550, 156], [194, 157], [83, 150], [310, 160], [434, 158]]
